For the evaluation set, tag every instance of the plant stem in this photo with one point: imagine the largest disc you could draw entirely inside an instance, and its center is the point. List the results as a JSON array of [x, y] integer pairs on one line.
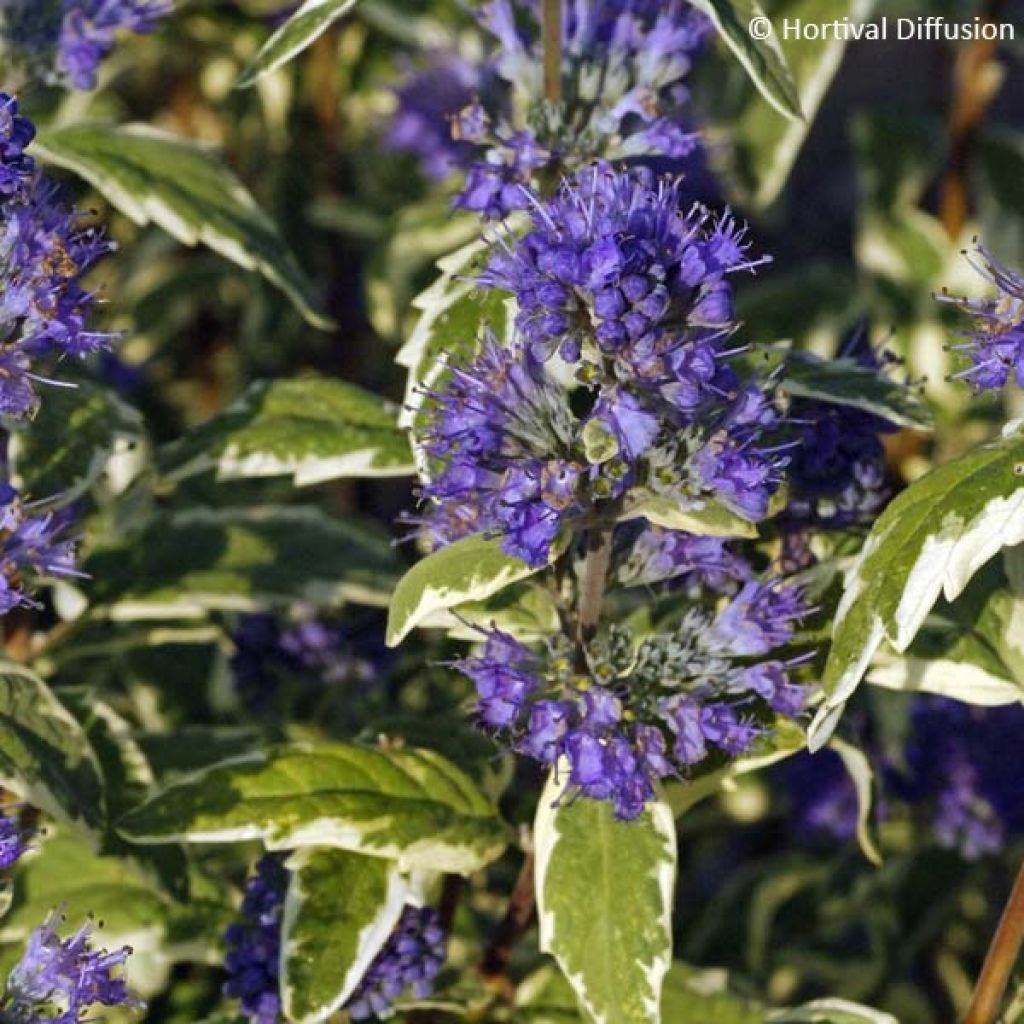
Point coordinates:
[[592, 583], [551, 31], [1000, 959], [518, 917]]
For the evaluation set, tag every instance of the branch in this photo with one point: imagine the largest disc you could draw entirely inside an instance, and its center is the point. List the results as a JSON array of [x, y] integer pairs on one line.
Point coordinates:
[[592, 583], [519, 915], [1001, 958], [551, 32]]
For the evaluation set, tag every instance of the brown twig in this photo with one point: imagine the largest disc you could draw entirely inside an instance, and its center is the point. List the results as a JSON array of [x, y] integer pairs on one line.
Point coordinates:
[[519, 916], [976, 82], [1000, 960], [551, 30], [593, 579]]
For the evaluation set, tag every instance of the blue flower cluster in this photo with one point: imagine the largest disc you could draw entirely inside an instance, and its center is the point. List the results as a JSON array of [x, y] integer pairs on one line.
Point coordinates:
[[58, 980], [254, 943], [502, 437], [994, 344], [641, 711], [632, 291], [410, 959], [44, 252], [964, 764], [31, 546], [624, 66], [14, 839], [958, 773], [268, 650], [428, 99], [65, 41], [837, 475]]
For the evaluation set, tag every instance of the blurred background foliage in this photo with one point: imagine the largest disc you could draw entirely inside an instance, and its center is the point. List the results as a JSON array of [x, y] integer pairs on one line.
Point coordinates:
[[914, 149]]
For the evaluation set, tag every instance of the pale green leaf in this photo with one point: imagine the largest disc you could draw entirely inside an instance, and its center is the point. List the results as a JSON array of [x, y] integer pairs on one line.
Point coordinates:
[[309, 22], [845, 382], [310, 429], [184, 187], [45, 756], [471, 569], [704, 517], [971, 650], [188, 562], [830, 1011], [858, 767], [339, 910], [769, 143], [412, 806], [931, 540], [604, 902], [763, 60]]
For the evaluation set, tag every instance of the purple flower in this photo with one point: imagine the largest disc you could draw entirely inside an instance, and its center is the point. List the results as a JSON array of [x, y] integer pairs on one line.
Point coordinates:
[[656, 554], [253, 944], [644, 710], [501, 435], [268, 650], [58, 980], [16, 133], [30, 546], [640, 53], [14, 840], [67, 40], [995, 342], [836, 472], [429, 100], [760, 617], [613, 256], [410, 960]]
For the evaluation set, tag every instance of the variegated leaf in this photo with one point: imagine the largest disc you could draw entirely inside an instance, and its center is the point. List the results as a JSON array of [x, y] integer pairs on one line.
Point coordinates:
[[339, 910], [411, 806], [930, 541], [604, 900]]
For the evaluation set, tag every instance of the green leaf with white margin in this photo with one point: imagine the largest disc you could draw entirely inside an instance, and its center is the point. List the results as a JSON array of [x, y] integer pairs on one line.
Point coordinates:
[[523, 610], [845, 382], [45, 756], [829, 1011], [858, 767], [309, 22], [412, 806], [604, 902], [769, 144], [67, 446], [187, 562], [470, 569], [339, 910], [65, 871], [185, 188], [763, 60], [703, 516], [971, 650], [311, 429], [931, 540]]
